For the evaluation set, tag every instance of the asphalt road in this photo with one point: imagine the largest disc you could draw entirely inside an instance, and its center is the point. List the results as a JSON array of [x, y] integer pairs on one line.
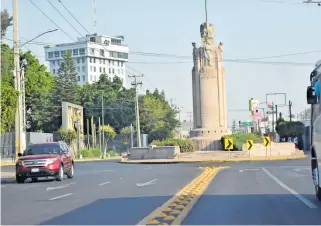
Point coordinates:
[[109, 193]]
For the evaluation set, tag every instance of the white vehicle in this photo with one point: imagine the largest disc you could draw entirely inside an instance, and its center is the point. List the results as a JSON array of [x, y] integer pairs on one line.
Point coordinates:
[[314, 99]]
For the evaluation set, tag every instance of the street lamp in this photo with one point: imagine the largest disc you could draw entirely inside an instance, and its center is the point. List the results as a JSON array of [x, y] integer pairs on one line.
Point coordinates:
[[43, 33], [19, 78]]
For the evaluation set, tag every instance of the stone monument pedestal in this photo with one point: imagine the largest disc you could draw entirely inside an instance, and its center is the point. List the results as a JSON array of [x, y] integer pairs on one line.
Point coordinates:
[[208, 139]]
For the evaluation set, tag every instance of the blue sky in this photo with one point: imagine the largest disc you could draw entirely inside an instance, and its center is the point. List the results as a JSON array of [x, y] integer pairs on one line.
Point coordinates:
[[248, 29]]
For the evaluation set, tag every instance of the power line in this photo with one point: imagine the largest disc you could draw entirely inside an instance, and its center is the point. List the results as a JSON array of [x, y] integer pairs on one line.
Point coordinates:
[[73, 17], [50, 19], [64, 17]]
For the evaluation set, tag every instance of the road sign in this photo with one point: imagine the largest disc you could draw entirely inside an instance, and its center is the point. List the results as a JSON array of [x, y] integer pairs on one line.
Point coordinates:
[[228, 143], [246, 124], [266, 141], [249, 145]]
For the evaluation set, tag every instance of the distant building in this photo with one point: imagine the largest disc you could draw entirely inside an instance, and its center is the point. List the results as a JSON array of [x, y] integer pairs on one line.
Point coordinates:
[[94, 55]]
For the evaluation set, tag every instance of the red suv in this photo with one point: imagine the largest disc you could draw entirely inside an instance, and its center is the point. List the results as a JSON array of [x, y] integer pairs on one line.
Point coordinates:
[[45, 160]]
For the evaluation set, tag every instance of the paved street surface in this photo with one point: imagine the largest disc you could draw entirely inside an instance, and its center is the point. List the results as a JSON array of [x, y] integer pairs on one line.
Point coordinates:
[[109, 193]]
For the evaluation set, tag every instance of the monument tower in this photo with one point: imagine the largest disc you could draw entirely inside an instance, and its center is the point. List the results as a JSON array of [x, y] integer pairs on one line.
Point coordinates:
[[209, 94]]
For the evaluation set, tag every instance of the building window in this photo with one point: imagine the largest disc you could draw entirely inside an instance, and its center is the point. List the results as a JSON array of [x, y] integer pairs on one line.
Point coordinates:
[[94, 69], [104, 61], [109, 62], [75, 52], [109, 70], [100, 61], [58, 62], [53, 63], [113, 71], [62, 53], [83, 68], [104, 70], [57, 54], [94, 60], [50, 55], [53, 71], [92, 51], [78, 60], [118, 63], [122, 64], [78, 69], [78, 78], [83, 60], [91, 77], [100, 69], [102, 52], [82, 51], [118, 71], [90, 60], [84, 78]]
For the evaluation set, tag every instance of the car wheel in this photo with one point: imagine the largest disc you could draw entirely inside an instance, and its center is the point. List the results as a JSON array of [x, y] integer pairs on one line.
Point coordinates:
[[20, 180], [317, 183], [71, 172], [60, 175], [34, 179]]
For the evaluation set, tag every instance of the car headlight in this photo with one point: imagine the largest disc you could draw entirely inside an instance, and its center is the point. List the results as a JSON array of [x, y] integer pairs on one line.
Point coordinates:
[[50, 161]]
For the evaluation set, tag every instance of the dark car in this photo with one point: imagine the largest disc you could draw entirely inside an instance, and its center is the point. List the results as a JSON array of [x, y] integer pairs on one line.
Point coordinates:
[[45, 160]]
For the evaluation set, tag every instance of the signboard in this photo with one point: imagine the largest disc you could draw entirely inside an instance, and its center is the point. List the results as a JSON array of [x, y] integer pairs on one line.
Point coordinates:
[[247, 124], [266, 141], [228, 143], [249, 145]]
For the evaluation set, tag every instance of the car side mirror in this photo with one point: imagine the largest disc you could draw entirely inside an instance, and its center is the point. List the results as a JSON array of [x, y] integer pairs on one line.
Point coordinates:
[[19, 154], [312, 75], [311, 96]]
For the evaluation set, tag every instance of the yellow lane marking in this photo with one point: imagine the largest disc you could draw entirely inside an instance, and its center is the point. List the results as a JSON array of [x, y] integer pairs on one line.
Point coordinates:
[[175, 210]]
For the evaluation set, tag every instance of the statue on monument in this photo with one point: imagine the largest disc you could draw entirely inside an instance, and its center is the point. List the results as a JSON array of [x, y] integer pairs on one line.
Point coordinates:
[[207, 38]]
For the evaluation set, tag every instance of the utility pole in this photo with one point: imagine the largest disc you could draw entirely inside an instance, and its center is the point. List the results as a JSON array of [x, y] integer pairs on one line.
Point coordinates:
[[17, 80], [290, 110], [102, 127], [135, 84]]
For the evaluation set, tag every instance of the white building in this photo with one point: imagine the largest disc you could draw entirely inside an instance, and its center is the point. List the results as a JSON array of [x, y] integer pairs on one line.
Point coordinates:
[[94, 55]]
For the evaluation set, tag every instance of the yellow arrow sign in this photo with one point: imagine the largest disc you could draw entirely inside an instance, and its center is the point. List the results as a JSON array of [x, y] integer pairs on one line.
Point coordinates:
[[249, 145], [266, 141], [228, 143]]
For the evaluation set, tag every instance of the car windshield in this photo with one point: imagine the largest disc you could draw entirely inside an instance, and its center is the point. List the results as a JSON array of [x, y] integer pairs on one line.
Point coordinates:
[[42, 149]]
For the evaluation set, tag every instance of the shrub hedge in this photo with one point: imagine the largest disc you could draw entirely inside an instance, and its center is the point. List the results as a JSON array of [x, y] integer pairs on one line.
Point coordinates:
[[184, 145]]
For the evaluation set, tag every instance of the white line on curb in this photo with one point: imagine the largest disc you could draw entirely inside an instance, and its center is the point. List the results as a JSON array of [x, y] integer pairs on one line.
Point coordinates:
[[59, 197], [295, 193]]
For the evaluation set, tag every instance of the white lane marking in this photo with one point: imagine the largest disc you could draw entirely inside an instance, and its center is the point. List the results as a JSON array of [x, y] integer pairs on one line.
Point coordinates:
[[60, 187], [104, 183], [242, 170], [298, 169], [296, 194], [61, 196], [30, 186], [147, 183], [109, 170]]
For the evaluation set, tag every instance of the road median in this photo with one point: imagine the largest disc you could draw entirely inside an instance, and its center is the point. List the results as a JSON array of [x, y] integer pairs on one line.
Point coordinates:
[[173, 161], [175, 210]]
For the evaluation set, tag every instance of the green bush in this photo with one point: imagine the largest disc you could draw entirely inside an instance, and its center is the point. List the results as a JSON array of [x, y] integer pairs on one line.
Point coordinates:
[[240, 138], [90, 153], [184, 145], [111, 153]]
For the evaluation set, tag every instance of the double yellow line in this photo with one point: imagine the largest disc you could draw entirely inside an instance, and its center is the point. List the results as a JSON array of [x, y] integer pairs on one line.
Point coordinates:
[[175, 210]]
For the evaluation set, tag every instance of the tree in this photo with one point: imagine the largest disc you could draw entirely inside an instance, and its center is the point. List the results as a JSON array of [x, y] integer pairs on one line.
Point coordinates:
[[108, 134], [6, 21], [66, 90], [233, 126], [39, 84], [8, 93], [126, 136]]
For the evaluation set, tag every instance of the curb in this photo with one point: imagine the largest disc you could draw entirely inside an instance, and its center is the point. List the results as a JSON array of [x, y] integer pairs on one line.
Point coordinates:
[[176, 209], [76, 160], [216, 161]]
